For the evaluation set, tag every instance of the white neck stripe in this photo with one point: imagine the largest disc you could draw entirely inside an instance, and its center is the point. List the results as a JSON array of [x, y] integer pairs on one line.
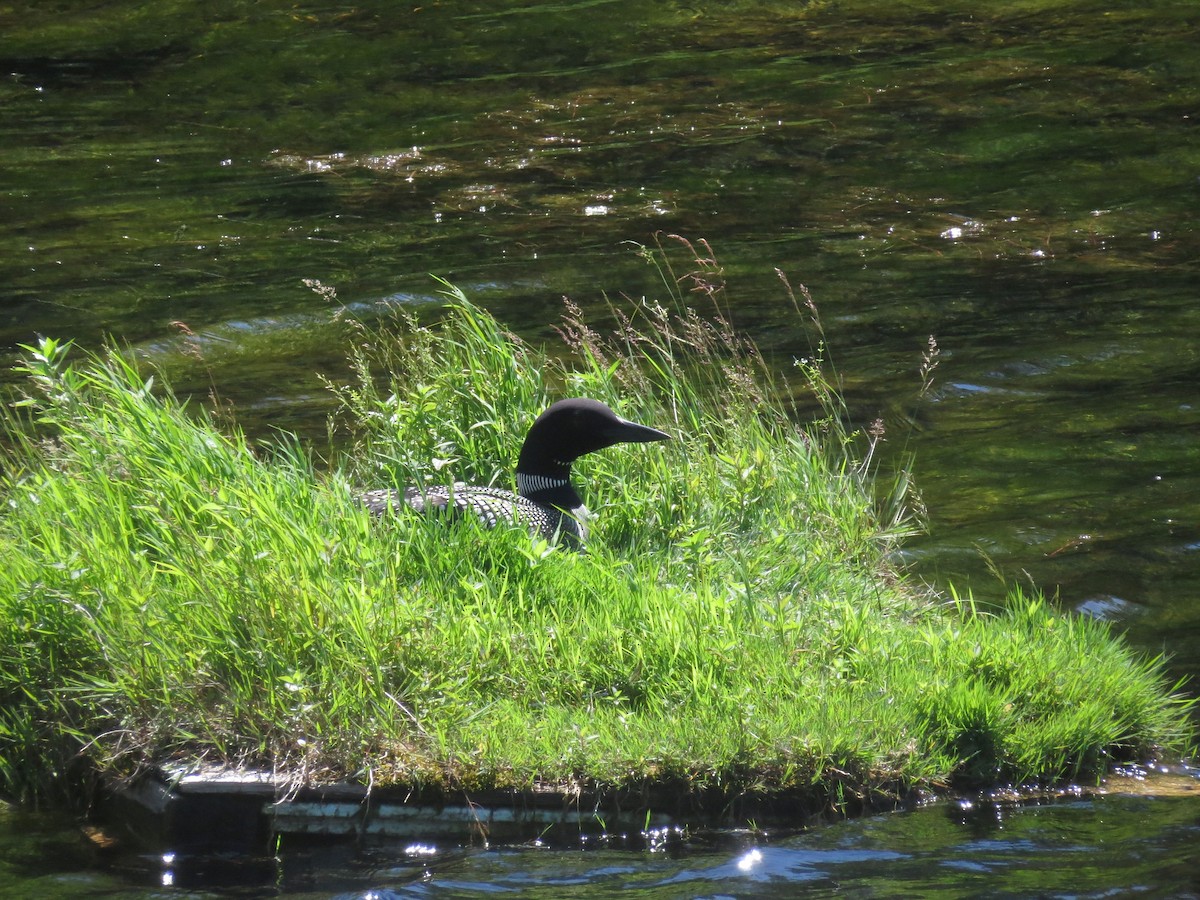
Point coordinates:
[[531, 484]]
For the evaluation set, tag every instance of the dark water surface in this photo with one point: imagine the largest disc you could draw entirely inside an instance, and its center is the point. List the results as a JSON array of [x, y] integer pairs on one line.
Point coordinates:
[[1112, 846], [1019, 179]]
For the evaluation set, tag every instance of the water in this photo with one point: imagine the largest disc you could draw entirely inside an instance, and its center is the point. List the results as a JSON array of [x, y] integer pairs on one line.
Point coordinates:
[[1111, 846], [1020, 181]]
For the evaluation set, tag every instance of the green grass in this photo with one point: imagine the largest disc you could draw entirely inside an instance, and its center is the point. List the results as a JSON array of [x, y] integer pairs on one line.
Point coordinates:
[[171, 592]]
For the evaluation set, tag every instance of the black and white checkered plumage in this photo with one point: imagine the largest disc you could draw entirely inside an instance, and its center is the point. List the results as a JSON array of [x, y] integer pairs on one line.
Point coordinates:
[[492, 505], [545, 501]]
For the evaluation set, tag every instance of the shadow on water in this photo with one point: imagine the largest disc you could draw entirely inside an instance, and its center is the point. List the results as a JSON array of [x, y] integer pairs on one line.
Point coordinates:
[[1019, 181]]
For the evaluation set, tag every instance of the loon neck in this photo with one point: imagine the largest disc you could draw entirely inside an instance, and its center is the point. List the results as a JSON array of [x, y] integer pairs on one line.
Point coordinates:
[[534, 484], [554, 490]]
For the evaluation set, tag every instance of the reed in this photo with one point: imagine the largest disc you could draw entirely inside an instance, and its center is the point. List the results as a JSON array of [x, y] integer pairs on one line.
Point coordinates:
[[171, 591]]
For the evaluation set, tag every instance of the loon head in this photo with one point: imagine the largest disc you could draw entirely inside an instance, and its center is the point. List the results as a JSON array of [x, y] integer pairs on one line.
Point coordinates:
[[570, 429]]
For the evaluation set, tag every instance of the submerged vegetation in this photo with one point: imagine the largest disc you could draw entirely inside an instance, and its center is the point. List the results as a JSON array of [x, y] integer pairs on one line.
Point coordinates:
[[171, 592]]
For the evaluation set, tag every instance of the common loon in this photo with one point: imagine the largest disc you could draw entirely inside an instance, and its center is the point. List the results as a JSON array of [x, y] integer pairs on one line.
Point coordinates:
[[546, 500]]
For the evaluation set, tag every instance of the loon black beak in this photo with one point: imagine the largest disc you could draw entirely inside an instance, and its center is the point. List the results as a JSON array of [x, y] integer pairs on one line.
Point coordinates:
[[625, 432]]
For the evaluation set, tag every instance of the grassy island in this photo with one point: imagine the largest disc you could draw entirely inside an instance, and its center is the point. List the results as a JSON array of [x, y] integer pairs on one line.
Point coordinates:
[[172, 592]]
